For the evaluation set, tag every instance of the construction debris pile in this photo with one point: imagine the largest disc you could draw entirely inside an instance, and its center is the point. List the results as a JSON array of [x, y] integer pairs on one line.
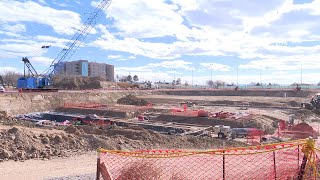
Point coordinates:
[[132, 100]]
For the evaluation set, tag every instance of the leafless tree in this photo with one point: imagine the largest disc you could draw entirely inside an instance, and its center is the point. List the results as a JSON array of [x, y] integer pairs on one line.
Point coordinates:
[[219, 83], [210, 83], [178, 81], [10, 78]]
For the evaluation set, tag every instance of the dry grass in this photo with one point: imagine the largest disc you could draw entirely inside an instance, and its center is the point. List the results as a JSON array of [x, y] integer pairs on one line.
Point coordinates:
[[147, 171], [144, 170]]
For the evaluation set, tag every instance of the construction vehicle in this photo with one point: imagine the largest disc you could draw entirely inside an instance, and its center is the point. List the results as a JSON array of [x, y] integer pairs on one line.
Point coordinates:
[[32, 81], [313, 104], [220, 130], [239, 132], [2, 89]]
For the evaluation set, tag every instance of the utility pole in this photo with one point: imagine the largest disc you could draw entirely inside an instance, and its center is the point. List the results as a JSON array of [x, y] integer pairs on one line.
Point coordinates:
[[301, 74], [211, 71], [260, 78], [237, 75], [192, 79], [174, 77]]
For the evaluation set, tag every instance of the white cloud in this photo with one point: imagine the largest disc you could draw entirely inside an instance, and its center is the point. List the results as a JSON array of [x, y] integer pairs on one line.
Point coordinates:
[[16, 28], [42, 2], [53, 41], [62, 21], [216, 66], [21, 47], [249, 38], [174, 64], [18, 50], [273, 35], [4, 69], [145, 18], [114, 56], [42, 60], [120, 57], [126, 58]]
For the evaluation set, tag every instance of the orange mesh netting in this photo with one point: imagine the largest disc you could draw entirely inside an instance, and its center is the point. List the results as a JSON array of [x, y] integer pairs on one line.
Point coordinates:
[[289, 160]]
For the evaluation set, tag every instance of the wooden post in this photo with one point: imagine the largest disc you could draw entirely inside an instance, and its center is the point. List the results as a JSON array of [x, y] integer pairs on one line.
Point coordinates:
[[274, 165], [98, 165]]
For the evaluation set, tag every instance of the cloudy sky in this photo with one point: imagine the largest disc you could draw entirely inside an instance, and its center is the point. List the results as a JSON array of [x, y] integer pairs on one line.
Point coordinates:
[[162, 39]]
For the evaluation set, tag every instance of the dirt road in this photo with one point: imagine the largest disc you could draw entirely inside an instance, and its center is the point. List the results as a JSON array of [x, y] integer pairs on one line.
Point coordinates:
[[39, 169]]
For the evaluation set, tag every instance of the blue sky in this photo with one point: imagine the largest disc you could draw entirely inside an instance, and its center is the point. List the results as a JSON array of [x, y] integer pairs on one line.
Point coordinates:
[[160, 39]]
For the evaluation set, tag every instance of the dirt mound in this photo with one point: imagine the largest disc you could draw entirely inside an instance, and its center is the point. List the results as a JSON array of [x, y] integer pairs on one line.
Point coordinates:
[[294, 104], [132, 100], [109, 85], [21, 143], [80, 83], [127, 85], [10, 121]]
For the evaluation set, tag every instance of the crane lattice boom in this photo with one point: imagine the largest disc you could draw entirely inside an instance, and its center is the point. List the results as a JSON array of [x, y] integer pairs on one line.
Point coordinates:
[[70, 48]]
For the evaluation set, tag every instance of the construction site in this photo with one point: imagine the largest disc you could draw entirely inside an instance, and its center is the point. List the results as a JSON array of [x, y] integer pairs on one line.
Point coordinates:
[[55, 125], [75, 121]]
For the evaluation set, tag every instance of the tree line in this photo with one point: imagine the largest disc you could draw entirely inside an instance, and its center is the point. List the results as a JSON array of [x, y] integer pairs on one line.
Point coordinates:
[[10, 78]]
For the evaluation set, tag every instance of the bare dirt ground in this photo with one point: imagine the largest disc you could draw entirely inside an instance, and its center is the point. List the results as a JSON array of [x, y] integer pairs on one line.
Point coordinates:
[[76, 167], [37, 153], [69, 154], [278, 107]]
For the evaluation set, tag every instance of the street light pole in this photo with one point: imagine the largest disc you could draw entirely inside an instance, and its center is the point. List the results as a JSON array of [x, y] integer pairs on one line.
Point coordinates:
[[237, 75], [260, 78], [174, 75], [211, 72], [301, 75], [192, 78]]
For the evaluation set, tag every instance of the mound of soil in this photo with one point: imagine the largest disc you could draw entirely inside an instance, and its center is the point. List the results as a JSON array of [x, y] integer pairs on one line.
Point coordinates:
[[81, 83], [21, 143], [10, 121], [132, 100], [294, 104], [127, 85]]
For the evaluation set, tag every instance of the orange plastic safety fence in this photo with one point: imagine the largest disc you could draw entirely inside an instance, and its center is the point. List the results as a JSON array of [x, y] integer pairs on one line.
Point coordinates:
[[273, 161]]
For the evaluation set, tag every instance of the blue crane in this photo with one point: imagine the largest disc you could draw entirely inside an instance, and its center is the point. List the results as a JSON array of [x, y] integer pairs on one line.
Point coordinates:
[[40, 82]]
